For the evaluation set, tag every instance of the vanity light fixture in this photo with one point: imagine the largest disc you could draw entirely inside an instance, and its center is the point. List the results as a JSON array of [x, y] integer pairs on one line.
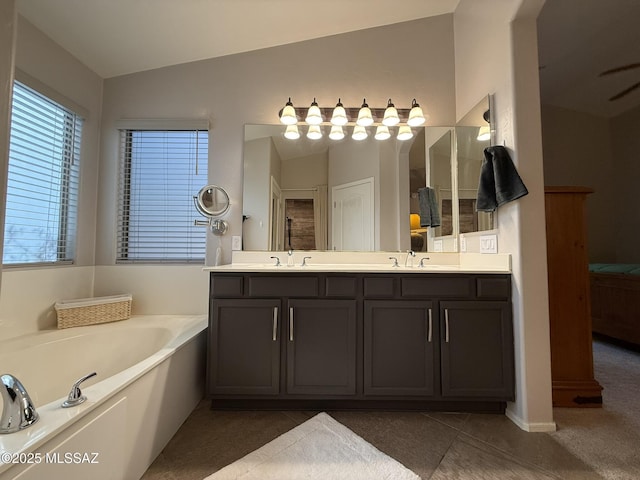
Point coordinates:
[[359, 133], [314, 116], [405, 133], [364, 115], [416, 115], [288, 115], [484, 133], [314, 132], [339, 116], [336, 132], [292, 132], [382, 132], [391, 117]]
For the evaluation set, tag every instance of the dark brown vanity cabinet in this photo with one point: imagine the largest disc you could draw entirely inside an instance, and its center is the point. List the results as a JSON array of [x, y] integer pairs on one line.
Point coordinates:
[[476, 349], [321, 347], [400, 348], [322, 340], [244, 347]]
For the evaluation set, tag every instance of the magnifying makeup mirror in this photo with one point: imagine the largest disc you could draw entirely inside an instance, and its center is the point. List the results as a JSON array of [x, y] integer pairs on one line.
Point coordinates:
[[212, 202]]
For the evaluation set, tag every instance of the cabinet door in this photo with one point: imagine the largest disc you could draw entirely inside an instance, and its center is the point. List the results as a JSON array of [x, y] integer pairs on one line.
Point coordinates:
[[244, 347], [477, 349], [321, 347], [399, 353]]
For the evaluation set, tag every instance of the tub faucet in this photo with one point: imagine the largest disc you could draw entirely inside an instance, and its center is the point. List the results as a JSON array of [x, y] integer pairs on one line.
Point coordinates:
[[18, 411], [75, 395]]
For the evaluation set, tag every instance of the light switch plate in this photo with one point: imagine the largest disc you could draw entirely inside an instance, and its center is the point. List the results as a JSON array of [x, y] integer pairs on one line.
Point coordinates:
[[236, 242], [489, 244], [437, 245]]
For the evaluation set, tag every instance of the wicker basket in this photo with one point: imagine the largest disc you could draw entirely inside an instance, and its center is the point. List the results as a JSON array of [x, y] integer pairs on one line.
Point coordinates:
[[92, 311]]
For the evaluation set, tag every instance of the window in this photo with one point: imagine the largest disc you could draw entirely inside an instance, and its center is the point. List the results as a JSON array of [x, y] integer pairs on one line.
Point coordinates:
[[42, 182], [160, 172]]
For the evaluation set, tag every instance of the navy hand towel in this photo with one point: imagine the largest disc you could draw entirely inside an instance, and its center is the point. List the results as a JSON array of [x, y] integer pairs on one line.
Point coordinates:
[[499, 180]]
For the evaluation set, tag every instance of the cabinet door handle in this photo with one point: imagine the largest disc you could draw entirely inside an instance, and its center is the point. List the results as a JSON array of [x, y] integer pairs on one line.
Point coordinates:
[[446, 325], [429, 333], [275, 323], [291, 324]]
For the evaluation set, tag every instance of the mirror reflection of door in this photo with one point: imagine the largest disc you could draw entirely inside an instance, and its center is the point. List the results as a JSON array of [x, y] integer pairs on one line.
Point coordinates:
[[299, 224], [275, 234], [352, 217]]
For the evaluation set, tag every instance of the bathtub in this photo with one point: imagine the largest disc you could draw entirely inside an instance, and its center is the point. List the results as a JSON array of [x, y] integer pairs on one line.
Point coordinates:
[[150, 376]]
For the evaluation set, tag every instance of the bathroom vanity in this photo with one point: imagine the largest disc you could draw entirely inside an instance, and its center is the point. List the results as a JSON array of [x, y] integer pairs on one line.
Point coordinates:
[[360, 336]]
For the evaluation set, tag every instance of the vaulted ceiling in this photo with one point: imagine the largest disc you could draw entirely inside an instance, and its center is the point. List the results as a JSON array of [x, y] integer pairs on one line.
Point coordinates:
[[578, 39]]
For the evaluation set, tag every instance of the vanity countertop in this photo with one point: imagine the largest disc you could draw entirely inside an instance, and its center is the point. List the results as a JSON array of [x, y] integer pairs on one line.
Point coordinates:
[[365, 262]]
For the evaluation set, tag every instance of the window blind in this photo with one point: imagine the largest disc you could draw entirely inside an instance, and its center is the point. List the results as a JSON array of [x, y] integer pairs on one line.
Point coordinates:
[[42, 182], [160, 172]]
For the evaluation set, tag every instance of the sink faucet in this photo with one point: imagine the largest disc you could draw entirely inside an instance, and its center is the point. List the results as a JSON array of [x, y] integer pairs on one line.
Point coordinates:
[[290, 258], [277, 259], [409, 260], [304, 261], [422, 261], [18, 411], [395, 261]]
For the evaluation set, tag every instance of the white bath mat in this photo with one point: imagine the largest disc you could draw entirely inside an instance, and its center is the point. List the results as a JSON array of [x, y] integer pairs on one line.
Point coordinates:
[[320, 448]]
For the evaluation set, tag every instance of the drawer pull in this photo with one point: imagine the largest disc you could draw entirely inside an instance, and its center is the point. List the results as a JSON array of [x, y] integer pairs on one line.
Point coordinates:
[[291, 324], [275, 323], [446, 325], [430, 332]]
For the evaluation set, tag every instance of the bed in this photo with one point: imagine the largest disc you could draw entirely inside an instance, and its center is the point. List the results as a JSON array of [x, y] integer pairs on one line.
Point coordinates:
[[615, 301]]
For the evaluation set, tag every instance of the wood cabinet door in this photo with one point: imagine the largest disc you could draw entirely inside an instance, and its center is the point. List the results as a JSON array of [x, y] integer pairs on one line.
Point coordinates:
[[321, 347], [244, 347], [399, 347], [476, 344]]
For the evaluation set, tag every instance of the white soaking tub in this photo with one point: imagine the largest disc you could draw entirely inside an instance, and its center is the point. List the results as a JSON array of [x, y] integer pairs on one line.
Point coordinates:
[[150, 376]]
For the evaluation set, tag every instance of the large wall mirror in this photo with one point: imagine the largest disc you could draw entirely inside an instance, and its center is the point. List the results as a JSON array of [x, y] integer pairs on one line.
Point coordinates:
[[363, 195], [473, 134]]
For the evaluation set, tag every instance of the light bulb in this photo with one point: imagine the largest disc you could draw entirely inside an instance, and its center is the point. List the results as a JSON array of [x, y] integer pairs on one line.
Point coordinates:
[[314, 132], [339, 116], [484, 133], [336, 133], [359, 133], [390, 115], [416, 116], [314, 116], [292, 132], [405, 133], [364, 115], [382, 132], [288, 116]]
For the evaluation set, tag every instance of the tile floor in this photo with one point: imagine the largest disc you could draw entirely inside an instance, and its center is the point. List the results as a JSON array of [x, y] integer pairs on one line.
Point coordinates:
[[436, 446]]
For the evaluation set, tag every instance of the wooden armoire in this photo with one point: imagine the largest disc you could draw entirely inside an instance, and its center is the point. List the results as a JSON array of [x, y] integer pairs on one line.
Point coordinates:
[[573, 381]]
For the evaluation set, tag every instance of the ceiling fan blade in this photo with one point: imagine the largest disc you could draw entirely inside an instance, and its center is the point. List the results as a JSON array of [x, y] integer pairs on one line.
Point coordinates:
[[624, 92], [621, 68]]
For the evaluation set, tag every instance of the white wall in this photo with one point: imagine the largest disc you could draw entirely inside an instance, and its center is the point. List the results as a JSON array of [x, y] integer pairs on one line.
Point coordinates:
[[624, 215], [496, 52], [28, 295]]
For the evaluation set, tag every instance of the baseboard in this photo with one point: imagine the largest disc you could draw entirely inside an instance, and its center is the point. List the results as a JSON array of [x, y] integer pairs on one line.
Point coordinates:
[[528, 426]]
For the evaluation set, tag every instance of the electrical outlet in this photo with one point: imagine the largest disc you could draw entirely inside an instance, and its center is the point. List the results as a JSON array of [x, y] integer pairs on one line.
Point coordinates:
[[489, 244], [463, 243], [236, 242]]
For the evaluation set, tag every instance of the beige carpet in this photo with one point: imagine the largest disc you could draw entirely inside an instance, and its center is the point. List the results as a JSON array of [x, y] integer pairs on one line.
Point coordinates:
[[607, 439], [320, 448]]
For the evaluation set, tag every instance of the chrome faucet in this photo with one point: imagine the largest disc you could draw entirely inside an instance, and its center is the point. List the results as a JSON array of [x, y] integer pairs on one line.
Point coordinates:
[[277, 259], [304, 261], [422, 261], [395, 261], [409, 260], [75, 395], [290, 258], [18, 411]]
